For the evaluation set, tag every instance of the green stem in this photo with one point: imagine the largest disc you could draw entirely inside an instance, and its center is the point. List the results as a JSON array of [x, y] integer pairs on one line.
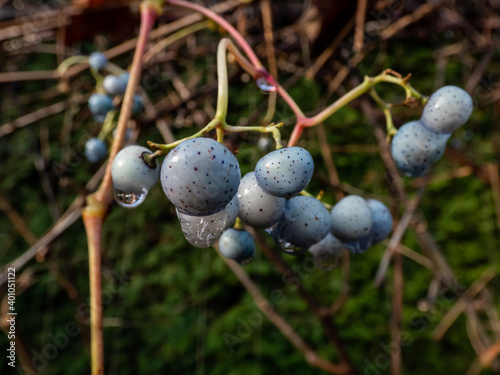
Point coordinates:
[[73, 60], [386, 109], [273, 129], [165, 148], [222, 81]]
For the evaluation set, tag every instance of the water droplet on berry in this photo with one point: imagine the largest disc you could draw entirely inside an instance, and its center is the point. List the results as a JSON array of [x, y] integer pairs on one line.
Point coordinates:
[[287, 247], [265, 86], [129, 200], [202, 231]]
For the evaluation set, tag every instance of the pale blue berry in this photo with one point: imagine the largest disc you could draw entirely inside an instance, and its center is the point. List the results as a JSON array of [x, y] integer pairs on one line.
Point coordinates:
[[100, 105], [285, 172], [237, 245], [351, 219], [305, 222], [98, 61], [415, 148], [447, 109], [382, 220], [95, 150], [258, 208], [200, 176]]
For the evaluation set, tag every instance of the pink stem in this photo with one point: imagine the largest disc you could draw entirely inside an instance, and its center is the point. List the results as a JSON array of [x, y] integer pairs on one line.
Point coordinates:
[[148, 18], [225, 25], [295, 136]]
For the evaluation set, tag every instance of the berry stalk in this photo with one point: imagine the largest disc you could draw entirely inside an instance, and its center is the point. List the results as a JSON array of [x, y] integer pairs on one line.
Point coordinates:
[[98, 203]]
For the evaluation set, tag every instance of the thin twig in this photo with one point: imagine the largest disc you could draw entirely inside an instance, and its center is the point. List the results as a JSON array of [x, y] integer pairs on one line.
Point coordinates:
[[279, 322], [462, 303]]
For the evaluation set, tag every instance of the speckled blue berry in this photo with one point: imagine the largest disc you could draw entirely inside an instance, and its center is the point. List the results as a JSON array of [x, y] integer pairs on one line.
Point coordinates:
[[200, 176], [285, 172], [100, 105], [382, 220], [447, 109], [415, 148], [98, 61], [305, 222], [95, 150], [258, 208], [237, 245], [327, 252], [130, 173], [351, 219], [114, 85]]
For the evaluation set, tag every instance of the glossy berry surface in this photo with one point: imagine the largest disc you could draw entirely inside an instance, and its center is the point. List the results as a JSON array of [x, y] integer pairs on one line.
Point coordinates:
[[237, 245], [447, 109], [414, 148], [327, 252], [258, 208], [382, 220], [98, 61], [114, 85], [100, 105], [130, 173], [200, 176], [95, 150], [306, 221], [351, 219], [285, 172]]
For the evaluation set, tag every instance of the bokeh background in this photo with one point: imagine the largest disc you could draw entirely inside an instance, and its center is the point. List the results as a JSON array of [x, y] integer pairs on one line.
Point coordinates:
[[170, 308]]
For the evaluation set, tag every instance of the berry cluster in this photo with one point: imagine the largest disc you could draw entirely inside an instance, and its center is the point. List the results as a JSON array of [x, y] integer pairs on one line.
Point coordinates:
[[419, 144], [101, 102], [202, 179]]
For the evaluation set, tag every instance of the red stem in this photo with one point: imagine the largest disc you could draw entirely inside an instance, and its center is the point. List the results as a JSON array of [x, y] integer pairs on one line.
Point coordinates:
[[148, 18], [225, 25]]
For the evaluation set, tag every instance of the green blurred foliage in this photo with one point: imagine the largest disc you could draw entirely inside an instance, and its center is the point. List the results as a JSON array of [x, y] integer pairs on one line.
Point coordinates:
[[173, 309]]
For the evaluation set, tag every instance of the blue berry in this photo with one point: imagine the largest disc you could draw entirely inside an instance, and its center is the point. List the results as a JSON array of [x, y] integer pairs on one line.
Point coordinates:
[[125, 77], [258, 208], [98, 61], [200, 176], [306, 221], [237, 245], [327, 252], [285, 172], [95, 150], [137, 105], [414, 148], [447, 109], [100, 105], [114, 85], [360, 245], [382, 220], [351, 219], [132, 177]]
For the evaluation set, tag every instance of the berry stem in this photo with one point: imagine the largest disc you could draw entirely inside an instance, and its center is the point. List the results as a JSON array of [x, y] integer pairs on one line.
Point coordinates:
[[98, 203], [225, 25], [386, 109], [222, 81], [165, 148]]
